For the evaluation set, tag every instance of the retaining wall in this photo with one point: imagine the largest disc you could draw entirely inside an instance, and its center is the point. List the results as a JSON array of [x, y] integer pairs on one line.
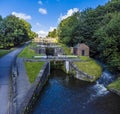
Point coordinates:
[[80, 74], [32, 95]]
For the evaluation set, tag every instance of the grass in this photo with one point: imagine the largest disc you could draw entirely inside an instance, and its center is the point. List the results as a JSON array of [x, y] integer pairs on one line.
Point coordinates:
[[33, 69], [4, 52], [27, 53], [33, 44], [115, 85], [67, 50], [89, 66]]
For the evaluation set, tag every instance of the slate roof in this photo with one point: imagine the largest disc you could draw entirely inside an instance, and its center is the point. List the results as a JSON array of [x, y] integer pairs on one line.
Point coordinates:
[[82, 45]]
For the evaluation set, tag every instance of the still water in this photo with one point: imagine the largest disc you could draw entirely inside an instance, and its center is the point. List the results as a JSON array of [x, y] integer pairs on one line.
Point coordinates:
[[67, 95]]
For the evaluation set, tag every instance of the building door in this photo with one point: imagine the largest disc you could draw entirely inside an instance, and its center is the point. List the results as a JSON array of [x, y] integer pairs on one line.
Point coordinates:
[[83, 52]]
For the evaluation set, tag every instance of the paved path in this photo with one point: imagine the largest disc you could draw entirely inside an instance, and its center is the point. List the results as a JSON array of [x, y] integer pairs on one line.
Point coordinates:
[[23, 84], [5, 67]]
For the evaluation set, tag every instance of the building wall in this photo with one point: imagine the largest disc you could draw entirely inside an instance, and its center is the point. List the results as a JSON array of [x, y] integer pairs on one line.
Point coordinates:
[[78, 50], [86, 51]]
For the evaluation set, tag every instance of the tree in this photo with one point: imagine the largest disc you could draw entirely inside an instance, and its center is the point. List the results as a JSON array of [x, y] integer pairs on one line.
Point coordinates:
[[99, 29], [14, 31], [66, 27], [53, 34]]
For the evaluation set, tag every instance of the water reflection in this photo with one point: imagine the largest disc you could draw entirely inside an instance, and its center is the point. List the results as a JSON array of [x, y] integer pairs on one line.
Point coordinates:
[[64, 94]]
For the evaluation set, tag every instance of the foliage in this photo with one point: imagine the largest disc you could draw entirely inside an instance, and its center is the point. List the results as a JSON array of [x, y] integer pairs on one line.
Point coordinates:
[[53, 34], [99, 29], [66, 27], [67, 50], [4, 52], [14, 31], [115, 85], [89, 66], [32, 69]]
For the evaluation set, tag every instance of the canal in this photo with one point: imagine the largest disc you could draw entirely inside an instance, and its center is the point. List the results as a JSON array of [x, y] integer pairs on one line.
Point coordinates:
[[67, 95]]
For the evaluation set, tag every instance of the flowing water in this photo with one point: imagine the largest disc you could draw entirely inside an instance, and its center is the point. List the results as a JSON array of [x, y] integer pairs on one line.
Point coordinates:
[[67, 95]]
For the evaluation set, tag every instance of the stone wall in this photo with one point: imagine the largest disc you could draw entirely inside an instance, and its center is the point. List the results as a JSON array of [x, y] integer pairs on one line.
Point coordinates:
[[12, 104], [32, 95], [114, 91], [80, 74]]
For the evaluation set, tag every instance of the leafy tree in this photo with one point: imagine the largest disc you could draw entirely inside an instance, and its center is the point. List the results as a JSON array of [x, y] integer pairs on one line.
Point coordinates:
[[66, 27], [99, 29], [53, 34], [14, 31]]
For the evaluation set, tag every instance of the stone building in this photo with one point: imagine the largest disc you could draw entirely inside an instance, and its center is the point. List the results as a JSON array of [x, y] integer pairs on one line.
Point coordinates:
[[81, 50]]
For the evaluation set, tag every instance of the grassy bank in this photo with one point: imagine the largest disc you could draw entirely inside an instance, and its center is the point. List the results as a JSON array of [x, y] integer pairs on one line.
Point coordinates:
[[33, 69], [4, 52], [27, 53], [89, 66], [115, 85]]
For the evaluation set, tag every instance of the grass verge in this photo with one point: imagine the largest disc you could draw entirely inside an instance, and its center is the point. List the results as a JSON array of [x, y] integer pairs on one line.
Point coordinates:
[[89, 66], [32, 69], [4, 52], [115, 85], [27, 53]]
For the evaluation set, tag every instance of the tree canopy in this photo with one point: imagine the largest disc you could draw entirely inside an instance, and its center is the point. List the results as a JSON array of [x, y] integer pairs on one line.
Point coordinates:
[[53, 34], [14, 31], [99, 28]]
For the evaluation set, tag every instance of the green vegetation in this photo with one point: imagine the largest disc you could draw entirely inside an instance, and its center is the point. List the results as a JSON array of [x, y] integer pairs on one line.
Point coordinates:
[[28, 53], [33, 69], [14, 32], [115, 85], [85, 58], [99, 29], [89, 66], [3, 52], [67, 50], [53, 34]]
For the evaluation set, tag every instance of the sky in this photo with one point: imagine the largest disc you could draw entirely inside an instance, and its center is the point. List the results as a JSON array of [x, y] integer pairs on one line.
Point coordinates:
[[45, 15]]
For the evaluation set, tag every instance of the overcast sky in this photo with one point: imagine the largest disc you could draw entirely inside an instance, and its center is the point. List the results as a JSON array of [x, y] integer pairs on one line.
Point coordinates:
[[45, 15]]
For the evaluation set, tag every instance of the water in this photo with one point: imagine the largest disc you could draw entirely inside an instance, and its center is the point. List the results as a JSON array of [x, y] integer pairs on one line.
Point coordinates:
[[67, 95]]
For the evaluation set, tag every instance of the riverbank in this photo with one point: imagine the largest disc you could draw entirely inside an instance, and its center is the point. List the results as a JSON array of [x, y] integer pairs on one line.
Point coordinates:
[[115, 87], [90, 67]]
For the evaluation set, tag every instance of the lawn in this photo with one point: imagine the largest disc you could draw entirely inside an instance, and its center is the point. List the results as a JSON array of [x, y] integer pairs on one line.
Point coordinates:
[[27, 53], [4, 52], [33, 69], [115, 85], [89, 66]]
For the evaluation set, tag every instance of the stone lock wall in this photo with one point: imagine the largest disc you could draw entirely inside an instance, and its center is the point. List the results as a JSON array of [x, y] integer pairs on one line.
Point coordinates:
[[32, 95], [80, 74]]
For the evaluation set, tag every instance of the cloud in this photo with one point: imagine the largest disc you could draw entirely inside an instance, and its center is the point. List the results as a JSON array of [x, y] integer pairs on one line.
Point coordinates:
[[38, 24], [43, 11], [42, 33], [40, 2], [69, 13], [22, 15]]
